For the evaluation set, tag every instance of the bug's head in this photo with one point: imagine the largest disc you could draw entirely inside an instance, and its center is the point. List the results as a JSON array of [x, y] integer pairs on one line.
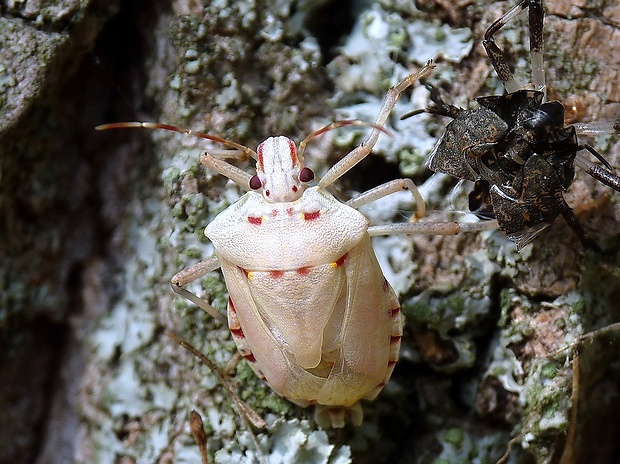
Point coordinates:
[[280, 174]]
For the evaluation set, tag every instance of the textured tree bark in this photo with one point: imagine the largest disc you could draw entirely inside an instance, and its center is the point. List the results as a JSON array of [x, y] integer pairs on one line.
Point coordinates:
[[94, 225]]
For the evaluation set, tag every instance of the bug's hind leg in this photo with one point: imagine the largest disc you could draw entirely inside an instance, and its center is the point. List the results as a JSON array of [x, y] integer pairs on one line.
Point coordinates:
[[190, 274]]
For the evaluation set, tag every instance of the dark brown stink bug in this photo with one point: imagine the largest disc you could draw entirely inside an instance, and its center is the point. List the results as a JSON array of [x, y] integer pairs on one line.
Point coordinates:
[[516, 147]]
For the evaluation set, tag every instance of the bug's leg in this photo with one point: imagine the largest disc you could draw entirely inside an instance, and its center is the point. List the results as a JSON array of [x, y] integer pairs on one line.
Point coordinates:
[[496, 56], [388, 188], [184, 277], [435, 228], [232, 364], [536, 18], [431, 228], [363, 150], [602, 174], [597, 127], [238, 176], [441, 108], [200, 436], [246, 413]]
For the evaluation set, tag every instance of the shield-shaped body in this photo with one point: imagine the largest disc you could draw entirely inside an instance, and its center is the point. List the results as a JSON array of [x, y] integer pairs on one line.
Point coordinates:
[[309, 307]]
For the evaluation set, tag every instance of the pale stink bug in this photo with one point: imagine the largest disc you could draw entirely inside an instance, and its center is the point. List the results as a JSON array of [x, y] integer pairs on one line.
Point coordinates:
[[309, 307]]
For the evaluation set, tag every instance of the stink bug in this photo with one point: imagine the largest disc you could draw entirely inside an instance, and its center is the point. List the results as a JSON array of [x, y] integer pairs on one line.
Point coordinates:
[[516, 147], [309, 307]]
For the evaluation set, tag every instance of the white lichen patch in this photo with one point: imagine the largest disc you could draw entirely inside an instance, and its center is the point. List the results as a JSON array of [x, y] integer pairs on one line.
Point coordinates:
[[458, 444], [368, 65], [437, 41]]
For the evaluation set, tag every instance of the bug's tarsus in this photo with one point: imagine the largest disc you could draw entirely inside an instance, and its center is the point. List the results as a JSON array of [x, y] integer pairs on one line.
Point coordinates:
[[199, 434]]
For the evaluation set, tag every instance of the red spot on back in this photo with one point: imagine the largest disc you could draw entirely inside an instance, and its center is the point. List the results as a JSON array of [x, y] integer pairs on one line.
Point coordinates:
[[237, 333], [245, 272], [340, 261], [257, 221], [395, 339], [303, 270], [311, 216], [274, 212], [276, 274], [289, 211], [250, 357], [231, 305], [395, 312]]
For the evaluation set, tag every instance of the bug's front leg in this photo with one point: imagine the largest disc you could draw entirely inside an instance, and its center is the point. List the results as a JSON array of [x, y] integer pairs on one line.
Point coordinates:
[[192, 273], [363, 150], [498, 60]]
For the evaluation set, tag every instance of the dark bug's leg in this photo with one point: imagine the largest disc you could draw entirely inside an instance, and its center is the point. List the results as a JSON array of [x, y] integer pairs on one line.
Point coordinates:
[[496, 56], [441, 108], [602, 174], [536, 18], [573, 222]]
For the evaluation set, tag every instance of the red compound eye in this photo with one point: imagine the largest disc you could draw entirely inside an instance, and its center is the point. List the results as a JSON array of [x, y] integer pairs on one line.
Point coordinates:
[[255, 183], [306, 175]]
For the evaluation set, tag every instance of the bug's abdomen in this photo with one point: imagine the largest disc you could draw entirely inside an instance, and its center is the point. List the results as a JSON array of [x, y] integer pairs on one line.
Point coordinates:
[[331, 337]]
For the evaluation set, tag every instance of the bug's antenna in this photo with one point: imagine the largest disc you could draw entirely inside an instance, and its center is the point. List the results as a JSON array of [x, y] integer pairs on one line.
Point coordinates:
[[246, 413], [336, 125], [169, 127]]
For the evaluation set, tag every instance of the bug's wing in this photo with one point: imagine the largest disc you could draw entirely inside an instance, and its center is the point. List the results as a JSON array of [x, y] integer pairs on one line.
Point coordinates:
[[297, 306], [345, 341], [522, 216], [267, 354], [513, 217], [471, 134], [368, 340]]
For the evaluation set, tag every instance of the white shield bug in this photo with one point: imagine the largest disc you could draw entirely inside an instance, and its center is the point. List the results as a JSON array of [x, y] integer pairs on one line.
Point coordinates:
[[309, 307]]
